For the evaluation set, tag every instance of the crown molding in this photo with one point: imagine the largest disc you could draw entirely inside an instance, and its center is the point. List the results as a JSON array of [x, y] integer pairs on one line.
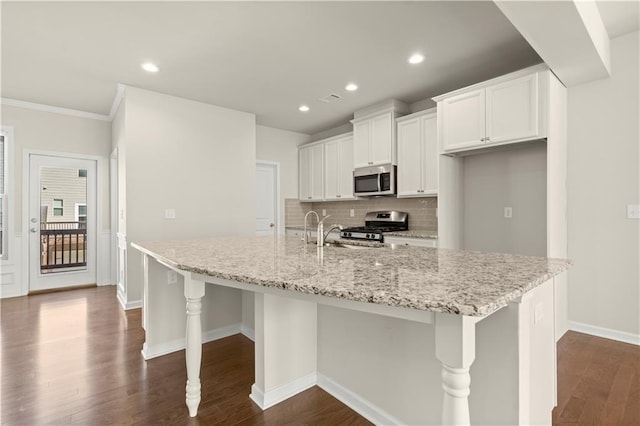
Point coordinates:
[[55, 110], [116, 101]]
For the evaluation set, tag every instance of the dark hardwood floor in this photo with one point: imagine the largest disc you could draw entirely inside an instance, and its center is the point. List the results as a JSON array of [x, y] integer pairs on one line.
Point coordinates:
[[74, 358], [598, 382]]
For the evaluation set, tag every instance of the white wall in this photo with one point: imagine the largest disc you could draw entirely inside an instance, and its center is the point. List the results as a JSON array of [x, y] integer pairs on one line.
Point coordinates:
[[198, 159], [281, 146], [603, 178], [515, 178], [46, 131]]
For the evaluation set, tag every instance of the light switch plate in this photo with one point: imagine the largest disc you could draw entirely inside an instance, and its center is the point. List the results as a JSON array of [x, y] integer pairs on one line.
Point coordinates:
[[324, 212], [352, 212], [538, 313], [633, 211], [508, 212], [170, 213]]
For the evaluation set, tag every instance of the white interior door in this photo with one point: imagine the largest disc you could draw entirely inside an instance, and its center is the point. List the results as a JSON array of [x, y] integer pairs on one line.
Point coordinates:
[[266, 198], [62, 222]]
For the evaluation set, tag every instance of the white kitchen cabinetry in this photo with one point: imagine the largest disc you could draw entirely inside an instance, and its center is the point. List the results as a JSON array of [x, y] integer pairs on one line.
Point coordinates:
[[418, 155], [311, 170], [502, 111], [338, 168], [374, 134], [416, 242], [374, 140]]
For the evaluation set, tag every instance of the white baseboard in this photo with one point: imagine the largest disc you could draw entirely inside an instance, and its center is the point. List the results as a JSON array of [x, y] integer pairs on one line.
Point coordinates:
[[365, 408], [607, 333], [279, 394], [153, 351], [134, 304], [248, 332]]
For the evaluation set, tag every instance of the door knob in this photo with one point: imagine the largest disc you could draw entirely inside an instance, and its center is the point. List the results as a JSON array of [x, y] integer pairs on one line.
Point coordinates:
[[34, 230], [271, 225], [34, 220]]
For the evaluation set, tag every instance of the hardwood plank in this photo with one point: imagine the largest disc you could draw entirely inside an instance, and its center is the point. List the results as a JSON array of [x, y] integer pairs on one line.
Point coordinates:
[[74, 358], [596, 379]]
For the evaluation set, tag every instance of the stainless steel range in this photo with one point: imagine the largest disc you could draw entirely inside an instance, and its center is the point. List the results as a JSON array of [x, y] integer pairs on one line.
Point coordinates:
[[376, 224]]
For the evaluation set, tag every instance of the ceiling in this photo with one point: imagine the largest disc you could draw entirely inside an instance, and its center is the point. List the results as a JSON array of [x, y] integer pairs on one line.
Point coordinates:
[[267, 58]]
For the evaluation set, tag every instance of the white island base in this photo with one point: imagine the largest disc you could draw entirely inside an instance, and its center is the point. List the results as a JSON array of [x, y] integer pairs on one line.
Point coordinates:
[[495, 369]]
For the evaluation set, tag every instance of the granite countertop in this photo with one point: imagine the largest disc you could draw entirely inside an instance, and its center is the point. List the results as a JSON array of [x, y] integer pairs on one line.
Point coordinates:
[[405, 234], [439, 280]]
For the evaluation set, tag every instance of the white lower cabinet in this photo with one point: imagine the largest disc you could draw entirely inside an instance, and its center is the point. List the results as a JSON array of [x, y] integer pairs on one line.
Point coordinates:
[[416, 242], [418, 154]]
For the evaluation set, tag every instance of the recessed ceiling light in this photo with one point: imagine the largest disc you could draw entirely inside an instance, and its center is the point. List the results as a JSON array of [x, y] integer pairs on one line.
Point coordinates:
[[303, 108], [351, 87], [149, 67], [416, 58]]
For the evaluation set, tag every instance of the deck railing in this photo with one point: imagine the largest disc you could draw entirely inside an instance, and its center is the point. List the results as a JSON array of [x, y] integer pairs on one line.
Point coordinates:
[[64, 245]]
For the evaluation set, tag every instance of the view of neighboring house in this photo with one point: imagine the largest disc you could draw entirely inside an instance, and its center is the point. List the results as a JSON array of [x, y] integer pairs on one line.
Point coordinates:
[[63, 195]]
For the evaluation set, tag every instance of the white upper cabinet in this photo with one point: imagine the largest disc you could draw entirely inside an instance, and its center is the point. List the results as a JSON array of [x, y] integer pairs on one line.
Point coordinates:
[[311, 169], [464, 123], [501, 111], [338, 168], [326, 169], [512, 110], [304, 174], [382, 139], [418, 155], [361, 144], [374, 134]]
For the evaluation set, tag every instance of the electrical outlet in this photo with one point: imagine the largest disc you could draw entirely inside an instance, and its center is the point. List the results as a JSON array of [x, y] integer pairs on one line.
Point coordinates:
[[508, 212], [324, 212], [538, 313], [633, 211], [170, 213], [172, 277], [352, 213]]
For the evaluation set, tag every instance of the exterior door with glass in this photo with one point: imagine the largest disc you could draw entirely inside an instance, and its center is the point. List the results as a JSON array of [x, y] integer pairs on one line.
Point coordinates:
[[62, 222]]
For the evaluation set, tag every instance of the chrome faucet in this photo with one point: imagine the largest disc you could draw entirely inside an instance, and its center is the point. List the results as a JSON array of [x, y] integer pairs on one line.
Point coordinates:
[[320, 236], [331, 228], [306, 235]]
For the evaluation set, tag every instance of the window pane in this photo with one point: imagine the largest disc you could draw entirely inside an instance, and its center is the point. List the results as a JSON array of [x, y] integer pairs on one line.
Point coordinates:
[[82, 210], [82, 173], [57, 203]]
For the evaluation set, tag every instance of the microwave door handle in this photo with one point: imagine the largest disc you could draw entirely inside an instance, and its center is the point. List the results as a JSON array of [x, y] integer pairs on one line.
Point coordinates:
[[380, 181]]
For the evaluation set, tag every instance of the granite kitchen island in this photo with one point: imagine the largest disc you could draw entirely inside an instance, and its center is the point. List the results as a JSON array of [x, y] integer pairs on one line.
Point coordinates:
[[452, 290]]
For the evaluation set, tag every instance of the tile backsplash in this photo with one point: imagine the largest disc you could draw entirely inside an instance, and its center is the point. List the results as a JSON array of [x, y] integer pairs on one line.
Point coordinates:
[[422, 211]]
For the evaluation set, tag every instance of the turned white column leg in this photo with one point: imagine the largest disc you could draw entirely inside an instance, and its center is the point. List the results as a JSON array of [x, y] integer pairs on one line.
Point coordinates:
[[455, 348], [193, 292], [455, 405]]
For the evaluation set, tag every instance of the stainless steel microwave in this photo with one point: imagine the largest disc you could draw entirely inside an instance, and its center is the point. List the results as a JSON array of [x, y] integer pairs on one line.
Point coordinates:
[[374, 180]]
